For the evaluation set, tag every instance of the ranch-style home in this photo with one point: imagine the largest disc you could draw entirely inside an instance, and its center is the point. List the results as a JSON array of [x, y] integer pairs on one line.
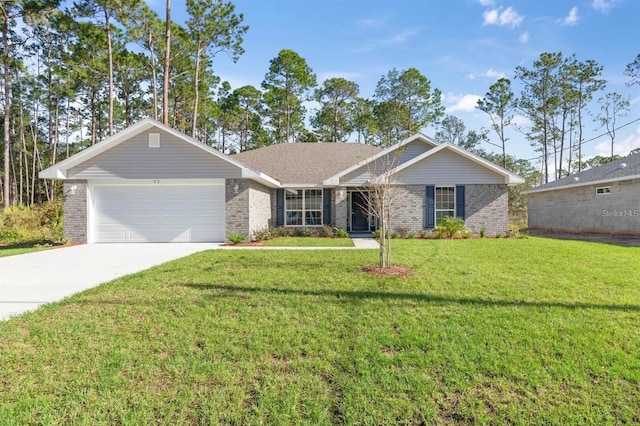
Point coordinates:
[[604, 199], [151, 183]]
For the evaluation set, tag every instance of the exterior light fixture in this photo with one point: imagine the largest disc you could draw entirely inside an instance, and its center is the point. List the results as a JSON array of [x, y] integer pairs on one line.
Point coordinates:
[[73, 189]]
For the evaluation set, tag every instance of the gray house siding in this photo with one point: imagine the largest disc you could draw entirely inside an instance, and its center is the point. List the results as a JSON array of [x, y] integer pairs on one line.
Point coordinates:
[[581, 210], [412, 150], [448, 168], [360, 176], [75, 211], [173, 159]]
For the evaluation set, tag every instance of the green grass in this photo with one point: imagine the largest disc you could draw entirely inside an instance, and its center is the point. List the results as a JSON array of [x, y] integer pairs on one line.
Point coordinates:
[[531, 331], [14, 249], [308, 242]]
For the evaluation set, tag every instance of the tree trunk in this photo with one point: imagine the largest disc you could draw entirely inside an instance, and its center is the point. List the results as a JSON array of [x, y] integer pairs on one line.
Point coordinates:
[[7, 107], [154, 77], [110, 52], [167, 58], [196, 92]]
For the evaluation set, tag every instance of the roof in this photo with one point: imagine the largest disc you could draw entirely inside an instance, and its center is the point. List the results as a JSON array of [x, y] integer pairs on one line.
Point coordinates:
[[306, 163], [622, 169], [59, 170]]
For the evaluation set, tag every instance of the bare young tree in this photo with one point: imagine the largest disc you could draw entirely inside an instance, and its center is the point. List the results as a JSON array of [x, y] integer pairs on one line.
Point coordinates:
[[382, 200]]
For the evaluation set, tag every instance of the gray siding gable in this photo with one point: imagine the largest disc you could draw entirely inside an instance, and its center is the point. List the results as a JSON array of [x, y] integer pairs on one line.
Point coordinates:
[[447, 167], [360, 176], [174, 159]]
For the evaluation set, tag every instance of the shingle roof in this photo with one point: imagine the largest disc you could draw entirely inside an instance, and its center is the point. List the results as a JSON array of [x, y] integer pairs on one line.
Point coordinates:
[[621, 169], [305, 163]]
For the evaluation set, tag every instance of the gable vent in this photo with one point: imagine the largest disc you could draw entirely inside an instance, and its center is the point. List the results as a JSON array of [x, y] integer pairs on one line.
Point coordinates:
[[154, 140]]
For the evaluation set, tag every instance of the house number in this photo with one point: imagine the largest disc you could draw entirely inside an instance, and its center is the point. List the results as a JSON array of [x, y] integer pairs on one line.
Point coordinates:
[[156, 181]]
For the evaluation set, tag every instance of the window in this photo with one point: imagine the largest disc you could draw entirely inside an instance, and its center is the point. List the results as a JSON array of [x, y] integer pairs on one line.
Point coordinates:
[[303, 207], [445, 202], [603, 190]]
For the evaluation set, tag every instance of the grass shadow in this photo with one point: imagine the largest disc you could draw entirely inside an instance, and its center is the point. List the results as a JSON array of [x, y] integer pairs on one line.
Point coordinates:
[[418, 297]]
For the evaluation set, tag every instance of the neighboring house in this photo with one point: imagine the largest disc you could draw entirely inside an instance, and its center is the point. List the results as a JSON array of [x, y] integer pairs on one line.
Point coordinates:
[[604, 199], [151, 183]]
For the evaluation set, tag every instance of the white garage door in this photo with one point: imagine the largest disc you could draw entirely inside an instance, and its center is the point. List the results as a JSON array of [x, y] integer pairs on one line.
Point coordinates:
[[158, 213]]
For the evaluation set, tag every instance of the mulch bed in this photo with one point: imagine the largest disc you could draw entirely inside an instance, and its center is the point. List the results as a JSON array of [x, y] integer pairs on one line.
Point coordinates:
[[391, 271]]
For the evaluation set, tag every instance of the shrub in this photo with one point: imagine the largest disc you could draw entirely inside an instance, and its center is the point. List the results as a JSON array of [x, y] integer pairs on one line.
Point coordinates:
[[341, 233], [424, 233], [262, 234], [236, 238], [326, 231], [41, 224], [514, 232], [483, 231], [450, 227], [402, 231], [376, 233]]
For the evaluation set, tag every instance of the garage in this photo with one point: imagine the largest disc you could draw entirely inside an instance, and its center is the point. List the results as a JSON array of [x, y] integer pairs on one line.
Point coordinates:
[[158, 213]]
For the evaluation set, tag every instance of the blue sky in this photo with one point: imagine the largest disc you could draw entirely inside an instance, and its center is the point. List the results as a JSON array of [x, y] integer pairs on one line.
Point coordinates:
[[461, 46]]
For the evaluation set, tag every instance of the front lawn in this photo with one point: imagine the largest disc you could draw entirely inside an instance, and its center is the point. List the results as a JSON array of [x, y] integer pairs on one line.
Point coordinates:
[[531, 331], [308, 242]]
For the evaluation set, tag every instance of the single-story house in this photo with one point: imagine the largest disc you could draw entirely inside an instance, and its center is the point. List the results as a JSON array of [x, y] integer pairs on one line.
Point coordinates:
[[151, 183], [603, 199]]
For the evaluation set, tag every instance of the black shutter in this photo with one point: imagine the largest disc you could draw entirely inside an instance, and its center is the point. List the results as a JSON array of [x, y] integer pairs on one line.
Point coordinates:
[[326, 206], [431, 207], [460, 201], [280, 207]]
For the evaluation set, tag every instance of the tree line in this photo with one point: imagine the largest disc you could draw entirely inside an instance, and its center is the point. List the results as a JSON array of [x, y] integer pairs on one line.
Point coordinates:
[[73, 76]]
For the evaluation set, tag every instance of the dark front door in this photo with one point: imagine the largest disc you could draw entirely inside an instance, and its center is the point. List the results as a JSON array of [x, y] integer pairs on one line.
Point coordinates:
[[359, 214]]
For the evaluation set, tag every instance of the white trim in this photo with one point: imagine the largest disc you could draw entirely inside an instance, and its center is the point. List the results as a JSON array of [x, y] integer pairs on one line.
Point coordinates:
[[302, 186], [335, 180], [304, 208], [607, 192], [577, 185], [435, 202]]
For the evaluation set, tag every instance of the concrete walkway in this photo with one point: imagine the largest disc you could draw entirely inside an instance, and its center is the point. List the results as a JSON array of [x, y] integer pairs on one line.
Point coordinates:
[[358, 244], [31, 280]]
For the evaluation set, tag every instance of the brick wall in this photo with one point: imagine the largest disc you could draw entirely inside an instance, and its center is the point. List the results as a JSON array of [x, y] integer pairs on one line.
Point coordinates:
[[75, 211], [581, 210], [248, 210], [487, 205], [260, 207], [409, 208]]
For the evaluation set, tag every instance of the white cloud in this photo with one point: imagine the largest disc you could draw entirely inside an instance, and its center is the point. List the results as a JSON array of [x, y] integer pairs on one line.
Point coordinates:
[[524, 37], [490, 73], [338, 74], [571, 19], [466, 103], [487, 2], [603, 6], [371, 22], [622, 147], [506, 17], [401, 37]]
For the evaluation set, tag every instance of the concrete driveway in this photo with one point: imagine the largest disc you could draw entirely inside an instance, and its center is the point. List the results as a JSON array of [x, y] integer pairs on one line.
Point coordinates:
[[30, 280]]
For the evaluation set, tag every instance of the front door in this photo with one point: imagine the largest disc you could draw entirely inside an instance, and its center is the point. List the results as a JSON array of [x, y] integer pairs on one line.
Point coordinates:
[[360, 218]]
